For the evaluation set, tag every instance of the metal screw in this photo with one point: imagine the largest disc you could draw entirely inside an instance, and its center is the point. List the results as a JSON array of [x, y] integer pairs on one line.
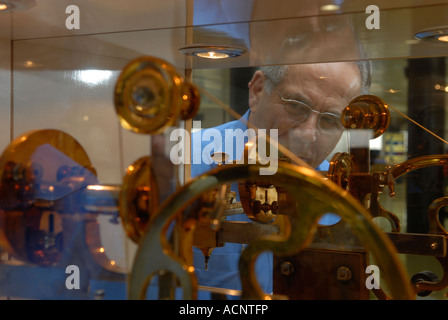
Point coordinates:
[[343, 274], [287, 268]]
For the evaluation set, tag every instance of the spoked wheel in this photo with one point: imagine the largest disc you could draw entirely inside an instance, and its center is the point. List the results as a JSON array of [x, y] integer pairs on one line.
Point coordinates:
[[312, 197]]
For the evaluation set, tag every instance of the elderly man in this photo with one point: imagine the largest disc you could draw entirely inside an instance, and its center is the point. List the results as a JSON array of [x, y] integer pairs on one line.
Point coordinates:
[[304, 103]]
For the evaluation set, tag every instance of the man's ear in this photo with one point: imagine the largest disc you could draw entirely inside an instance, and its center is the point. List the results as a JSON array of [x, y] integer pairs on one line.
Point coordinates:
[[256, 89]]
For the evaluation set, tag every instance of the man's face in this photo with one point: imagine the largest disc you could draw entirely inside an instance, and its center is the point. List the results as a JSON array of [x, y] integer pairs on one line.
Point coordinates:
[[326, 88]]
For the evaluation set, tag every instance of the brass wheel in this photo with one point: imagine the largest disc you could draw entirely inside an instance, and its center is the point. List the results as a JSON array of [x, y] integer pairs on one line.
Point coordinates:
[[367, 112], [341, 166], [150, 95], [138, 198], [155, 255]]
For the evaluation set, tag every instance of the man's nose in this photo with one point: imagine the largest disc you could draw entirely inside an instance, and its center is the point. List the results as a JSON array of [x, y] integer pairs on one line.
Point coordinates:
[[307, 131]]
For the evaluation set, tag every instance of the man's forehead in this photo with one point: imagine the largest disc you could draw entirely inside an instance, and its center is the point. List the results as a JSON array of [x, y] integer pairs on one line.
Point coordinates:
[[320, 70], [344, 77], [335, 83]]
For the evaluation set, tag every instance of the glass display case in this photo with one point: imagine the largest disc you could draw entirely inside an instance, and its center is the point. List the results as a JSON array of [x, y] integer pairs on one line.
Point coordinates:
[[105, 192]]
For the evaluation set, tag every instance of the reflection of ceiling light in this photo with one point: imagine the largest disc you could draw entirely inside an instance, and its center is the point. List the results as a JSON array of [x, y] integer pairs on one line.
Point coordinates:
[[15, 5], [212, 52], [439, 34], [392, 91], [93, 77], [212, 55], [330, 7]]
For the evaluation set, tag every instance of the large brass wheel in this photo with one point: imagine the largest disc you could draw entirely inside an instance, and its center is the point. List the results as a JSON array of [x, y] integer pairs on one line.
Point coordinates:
[[313, 196]]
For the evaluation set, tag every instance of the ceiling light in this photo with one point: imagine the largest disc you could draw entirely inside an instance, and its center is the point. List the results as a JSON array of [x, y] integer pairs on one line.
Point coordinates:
[[439, 34], [15, 5], [212, 52], [330, 7], [213, 55], [443, 38]]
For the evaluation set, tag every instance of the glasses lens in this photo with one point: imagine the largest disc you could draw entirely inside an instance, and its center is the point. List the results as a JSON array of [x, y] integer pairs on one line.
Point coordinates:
[[297, 110], [330, 122]]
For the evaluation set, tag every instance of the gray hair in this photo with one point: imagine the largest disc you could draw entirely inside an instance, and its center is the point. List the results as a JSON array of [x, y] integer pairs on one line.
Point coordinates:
[[275, 74]]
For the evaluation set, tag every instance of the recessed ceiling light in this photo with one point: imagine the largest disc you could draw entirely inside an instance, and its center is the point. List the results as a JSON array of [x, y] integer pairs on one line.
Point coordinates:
[[15, 5], [212, 52], [439, 34], [443, 38]]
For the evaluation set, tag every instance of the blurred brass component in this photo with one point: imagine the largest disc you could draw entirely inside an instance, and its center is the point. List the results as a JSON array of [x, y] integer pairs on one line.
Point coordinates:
[[435, 245], [151, 95], [366, 187], [138, 199], [379, 180], [30, 229], [418, 163], [308, 187], [436, 228], [367, 112], [341, 166]]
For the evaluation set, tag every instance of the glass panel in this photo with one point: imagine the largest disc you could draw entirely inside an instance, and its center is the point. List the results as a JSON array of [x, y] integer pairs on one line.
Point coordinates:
[[69, 170]]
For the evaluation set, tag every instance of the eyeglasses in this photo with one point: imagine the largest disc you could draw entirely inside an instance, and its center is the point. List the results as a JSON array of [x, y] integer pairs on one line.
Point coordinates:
[[299, 111]]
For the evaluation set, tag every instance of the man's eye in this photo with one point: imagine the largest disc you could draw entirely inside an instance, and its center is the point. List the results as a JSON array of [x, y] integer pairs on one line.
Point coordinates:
[[329, 120], [296, 107], [291, 106]]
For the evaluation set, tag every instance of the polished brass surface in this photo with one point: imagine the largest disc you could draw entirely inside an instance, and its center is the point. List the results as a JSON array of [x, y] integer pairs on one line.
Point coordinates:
[[379, 180], [151, 95], [138, 199], [418, 163], [366, 187], [420, 244], [155, 254], [436, 228], [367, 112], [341, 166]]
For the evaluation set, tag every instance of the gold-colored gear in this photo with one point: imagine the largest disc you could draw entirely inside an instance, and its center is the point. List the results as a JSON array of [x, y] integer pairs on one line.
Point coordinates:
[[151, 95], [138, 199], [367, 112], [341, 166], [155, 256]]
